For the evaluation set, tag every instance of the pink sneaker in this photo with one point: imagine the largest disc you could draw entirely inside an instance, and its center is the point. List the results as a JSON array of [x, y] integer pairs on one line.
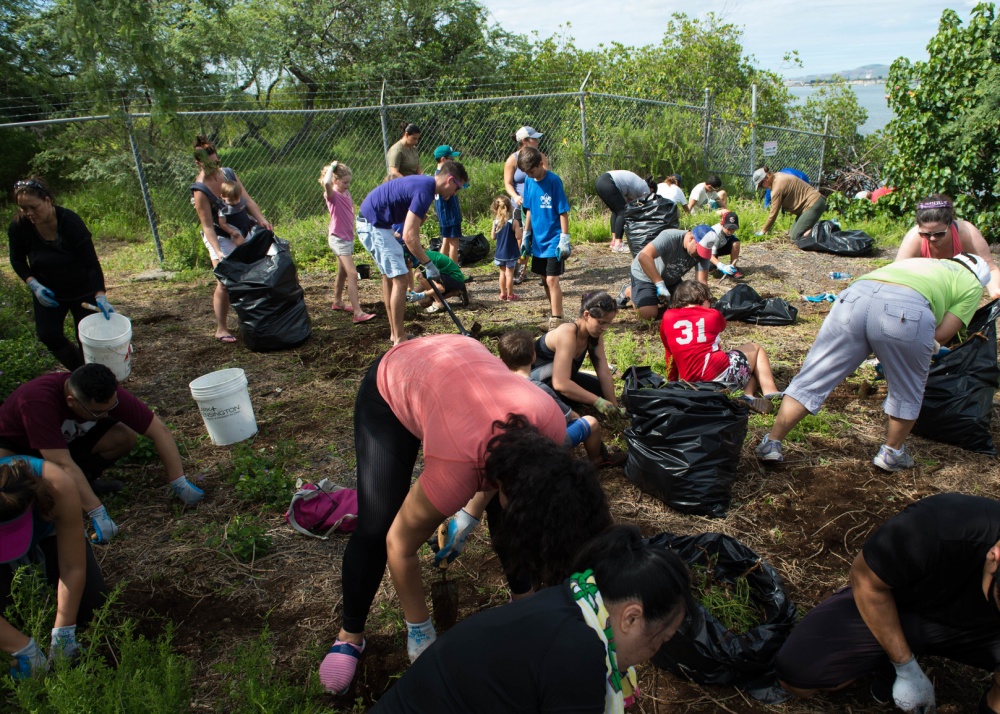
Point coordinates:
[[338, 668]]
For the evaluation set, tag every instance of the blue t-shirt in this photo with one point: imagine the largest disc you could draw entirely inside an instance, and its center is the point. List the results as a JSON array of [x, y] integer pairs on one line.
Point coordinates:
[[545, 200], [449, 213], [390, 201]]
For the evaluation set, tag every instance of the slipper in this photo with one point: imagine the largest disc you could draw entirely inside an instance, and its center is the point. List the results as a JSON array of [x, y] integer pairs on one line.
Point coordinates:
[[774, 395], [338, 668], [758, 404], [364, 318], [226, 339], [335, 306]]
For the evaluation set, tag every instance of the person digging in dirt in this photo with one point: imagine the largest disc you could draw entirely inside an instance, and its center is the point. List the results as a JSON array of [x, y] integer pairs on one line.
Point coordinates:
[[939, 235], [481, 427], [716, 241], [450, 282], [708, 194], [903, 313], [41, 523], [924, 583], [657, 270], [51, 250], [404, 200], [83, 422], [569, 648], [793, 195], [691, 331], [559, 355]]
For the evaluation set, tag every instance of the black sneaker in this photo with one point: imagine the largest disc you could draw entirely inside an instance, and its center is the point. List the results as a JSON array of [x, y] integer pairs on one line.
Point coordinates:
[[622, 300]]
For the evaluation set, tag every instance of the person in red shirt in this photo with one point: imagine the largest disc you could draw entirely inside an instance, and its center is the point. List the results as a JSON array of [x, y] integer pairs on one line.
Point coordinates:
[[83, 422], [691, 332]]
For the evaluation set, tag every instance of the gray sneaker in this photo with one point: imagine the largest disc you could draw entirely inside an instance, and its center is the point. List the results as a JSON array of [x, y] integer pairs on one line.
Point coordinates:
[[888, 459], [622, 300], [769, 450]]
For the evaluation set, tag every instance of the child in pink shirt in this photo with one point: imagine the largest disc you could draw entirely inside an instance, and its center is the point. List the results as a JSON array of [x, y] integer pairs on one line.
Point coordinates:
[[336, 179]]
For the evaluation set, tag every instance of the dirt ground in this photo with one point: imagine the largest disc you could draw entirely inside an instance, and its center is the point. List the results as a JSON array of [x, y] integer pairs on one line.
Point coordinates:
[[808, 518]]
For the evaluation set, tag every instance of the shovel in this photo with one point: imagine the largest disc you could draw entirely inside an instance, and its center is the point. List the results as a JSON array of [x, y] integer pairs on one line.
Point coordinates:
[[444, 593], [476, 327]]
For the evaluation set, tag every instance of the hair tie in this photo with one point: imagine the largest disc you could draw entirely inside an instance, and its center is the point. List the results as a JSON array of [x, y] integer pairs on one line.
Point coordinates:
[[931, 205]]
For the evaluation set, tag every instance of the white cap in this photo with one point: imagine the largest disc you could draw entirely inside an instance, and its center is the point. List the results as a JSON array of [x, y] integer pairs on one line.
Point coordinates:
[[527, 132], [758, 176], [977, 265]]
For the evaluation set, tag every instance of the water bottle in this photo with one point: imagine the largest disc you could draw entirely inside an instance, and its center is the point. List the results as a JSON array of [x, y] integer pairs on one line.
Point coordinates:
[[840, 276]]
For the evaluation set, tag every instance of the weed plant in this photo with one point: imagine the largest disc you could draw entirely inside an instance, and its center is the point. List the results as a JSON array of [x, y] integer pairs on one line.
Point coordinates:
[[245, 536], [730, 603], [22, 356], [261, 474]]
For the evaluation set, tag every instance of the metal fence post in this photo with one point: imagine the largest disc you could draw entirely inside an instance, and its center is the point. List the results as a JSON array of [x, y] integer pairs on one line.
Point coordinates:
[[583, 128], [822, 150], [385, 129], [753, 132], [147, 199], [708, 124]]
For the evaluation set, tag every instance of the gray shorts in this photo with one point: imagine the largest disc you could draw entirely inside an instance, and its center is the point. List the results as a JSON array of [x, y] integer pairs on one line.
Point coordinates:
[[384, 248], [894, 322]]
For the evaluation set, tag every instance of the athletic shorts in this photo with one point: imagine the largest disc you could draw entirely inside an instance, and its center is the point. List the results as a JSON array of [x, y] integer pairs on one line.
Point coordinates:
[[727, 249], [644, 293], [384, 248], [454, 231], [450, 284], [548, 267], [339, 246], [738, 372], [505, 263]]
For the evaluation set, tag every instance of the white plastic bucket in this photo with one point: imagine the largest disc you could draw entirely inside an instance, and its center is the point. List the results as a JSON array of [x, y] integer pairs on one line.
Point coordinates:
[[225, 405], [108, 342]]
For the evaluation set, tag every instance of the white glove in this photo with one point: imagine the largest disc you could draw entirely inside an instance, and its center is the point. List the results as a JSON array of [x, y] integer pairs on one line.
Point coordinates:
[[662, 291], [104, 528], [431, 270], [912, 691], [64, 644], [727, 269], [419, 637], [29, 661], [564, 247]]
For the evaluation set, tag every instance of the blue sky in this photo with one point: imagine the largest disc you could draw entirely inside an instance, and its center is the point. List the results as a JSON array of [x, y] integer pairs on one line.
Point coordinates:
[[830, 35]]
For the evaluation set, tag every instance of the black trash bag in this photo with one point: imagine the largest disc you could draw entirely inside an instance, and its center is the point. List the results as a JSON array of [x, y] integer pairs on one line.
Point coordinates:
[[646, 217], [826, 237], [264, 289], [471, 249], [958, 398], [744, 304], [684, 443], [703, 650]]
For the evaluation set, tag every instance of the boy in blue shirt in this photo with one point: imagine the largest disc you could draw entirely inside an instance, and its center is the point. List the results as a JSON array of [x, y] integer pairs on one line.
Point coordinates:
[[448, 211], [546, 226]]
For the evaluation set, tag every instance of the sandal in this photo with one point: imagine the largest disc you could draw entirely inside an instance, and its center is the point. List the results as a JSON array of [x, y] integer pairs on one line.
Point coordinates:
[[226, 339], [363, 317], [611, 459], [338, 668], [335, 306]]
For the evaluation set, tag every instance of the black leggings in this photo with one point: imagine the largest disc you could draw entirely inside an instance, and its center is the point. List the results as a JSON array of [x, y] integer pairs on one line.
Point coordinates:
[[386, 453], [588, 381], [49, 328], [614, 200], [94, 589]]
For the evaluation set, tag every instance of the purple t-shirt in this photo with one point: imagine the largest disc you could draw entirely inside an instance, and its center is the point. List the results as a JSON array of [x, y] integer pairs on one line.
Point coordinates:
[[389, 202]]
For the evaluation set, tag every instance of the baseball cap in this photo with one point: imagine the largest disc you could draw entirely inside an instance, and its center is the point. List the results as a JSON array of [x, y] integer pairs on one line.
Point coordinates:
[[527, 132], [702, 234], [15, 536], [977, 265], [730, 221], [444, 151], [758, 176], [677, 178]]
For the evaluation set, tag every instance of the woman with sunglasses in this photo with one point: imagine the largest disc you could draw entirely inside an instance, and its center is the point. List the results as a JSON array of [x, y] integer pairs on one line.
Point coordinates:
[[52, 252], [939, 235]]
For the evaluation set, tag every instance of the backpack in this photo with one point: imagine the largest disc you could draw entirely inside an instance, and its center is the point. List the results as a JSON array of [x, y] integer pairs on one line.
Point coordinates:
[[324, 507]]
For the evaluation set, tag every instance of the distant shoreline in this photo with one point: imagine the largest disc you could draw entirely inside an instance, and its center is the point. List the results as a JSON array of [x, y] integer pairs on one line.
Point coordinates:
[[825, 82]]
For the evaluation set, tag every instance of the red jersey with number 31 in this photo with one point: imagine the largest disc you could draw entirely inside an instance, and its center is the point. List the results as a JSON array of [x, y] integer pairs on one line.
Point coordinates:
[[691, 339]]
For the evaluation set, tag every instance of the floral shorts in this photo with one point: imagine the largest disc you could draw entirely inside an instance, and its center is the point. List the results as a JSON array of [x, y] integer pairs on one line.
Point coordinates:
[[738, 372]]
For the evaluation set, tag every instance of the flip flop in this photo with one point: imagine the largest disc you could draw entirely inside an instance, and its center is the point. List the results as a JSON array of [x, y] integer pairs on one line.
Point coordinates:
[[335, 306], [226, 339], [364, 318]]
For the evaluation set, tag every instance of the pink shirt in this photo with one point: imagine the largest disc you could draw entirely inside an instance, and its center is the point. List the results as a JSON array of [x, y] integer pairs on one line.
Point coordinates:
[[448, 390], [341, 209]]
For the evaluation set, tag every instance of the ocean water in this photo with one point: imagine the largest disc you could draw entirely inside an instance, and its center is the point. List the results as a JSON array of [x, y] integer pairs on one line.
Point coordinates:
[[870, 96]]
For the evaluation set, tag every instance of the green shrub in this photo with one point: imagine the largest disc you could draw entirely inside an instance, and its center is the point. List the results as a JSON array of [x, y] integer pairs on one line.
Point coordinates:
[[243, 536], [261, 474], [22, 356]]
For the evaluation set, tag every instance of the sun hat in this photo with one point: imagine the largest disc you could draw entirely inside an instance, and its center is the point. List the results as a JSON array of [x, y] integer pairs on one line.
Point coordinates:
[[444, 151], [527, 132], [975, 264], [758, 176], [15, 536]]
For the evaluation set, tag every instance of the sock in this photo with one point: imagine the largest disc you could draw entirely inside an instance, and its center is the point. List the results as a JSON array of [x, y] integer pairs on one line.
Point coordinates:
[[337, 670], [420, 636]]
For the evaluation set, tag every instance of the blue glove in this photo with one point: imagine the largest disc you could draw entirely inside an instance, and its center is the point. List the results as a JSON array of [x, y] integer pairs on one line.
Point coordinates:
[[458, 532], [564, 247], [526, 245], [431, 270], [662, 291], [186, 491], [42, 293], [759, 233], [713, 204], [104, 306], [104, 528], [64, 644], [727, 269], [28, 661]]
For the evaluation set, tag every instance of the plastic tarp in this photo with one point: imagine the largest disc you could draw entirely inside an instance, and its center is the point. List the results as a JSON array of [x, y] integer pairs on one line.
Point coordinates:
[[826, 237], [471, 249], [264, 289], [744, 304], [646, 218]]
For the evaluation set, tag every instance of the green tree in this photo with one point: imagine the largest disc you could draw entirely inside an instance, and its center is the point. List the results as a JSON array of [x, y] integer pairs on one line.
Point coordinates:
[[946, 112], [838, 102]]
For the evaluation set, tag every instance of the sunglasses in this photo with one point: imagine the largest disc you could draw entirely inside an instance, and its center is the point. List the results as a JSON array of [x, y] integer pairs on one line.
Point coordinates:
[[31, 183], [936, 235], [459, 185], [98, 414]]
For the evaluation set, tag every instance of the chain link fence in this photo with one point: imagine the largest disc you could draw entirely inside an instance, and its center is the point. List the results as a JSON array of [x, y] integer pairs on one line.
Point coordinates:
[[279, 153]]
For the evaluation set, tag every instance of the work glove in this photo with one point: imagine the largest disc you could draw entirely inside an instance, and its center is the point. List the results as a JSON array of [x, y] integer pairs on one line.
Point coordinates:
[[604, 406], [104, 306], [104, 528], [912, 691], [564, 247], [64, 644], [662, 293], [526, 244], [713, 204], [458, 532], [727, 269], [42, 293], [431, 270], [419, 637], [28, 661], [186, 491], [759, 233]]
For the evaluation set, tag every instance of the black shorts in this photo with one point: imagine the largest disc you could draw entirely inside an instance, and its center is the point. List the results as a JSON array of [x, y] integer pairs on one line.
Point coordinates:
[[79, 449], [832, 645], [644, 293], [450, 284], [547, 266]]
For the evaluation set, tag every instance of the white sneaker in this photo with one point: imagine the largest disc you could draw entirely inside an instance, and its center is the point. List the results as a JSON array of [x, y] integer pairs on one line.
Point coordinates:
[[769, 450], [889, 459]]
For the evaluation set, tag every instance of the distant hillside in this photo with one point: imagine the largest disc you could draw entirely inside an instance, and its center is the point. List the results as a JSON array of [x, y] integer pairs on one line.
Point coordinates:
[[868, 71]]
